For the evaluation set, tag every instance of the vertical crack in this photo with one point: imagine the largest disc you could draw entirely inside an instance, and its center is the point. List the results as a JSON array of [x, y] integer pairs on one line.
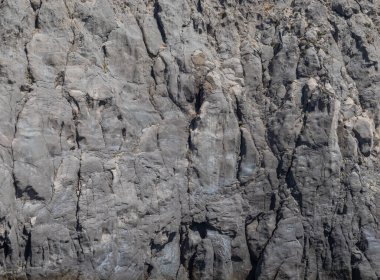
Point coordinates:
[[62, 80], [156, 14], [105, 64], [78, 226], [29, 75], [199, 7], [199, 99], [242, 147], [242, 153], [36, 22], [28, 246]]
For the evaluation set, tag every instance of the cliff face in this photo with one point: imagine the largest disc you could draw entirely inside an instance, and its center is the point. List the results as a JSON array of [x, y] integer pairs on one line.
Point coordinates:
[[190, 139]]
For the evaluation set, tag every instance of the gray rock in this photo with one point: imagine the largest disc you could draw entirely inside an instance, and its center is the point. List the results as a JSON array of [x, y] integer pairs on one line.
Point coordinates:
[[189, 139]]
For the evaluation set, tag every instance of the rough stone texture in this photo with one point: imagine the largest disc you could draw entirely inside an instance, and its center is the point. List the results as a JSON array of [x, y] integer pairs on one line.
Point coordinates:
[[190, 139]]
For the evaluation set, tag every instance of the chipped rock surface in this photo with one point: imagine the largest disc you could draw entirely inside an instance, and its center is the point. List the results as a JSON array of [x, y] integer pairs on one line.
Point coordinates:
[[189, 139]]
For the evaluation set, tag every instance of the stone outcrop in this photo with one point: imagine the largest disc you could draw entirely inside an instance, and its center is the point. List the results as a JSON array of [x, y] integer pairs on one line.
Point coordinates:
[[189, 139]]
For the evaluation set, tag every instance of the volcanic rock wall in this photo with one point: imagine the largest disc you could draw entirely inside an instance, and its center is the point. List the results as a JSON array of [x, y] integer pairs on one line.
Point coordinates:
[[189, 139]]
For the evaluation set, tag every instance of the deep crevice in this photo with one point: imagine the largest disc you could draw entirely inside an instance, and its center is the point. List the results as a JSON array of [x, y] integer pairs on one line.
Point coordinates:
[[243, 146], [242, 153], [6, 245], [156, 13], [28, 246], [199, 99], [199, 7], [36, 22]]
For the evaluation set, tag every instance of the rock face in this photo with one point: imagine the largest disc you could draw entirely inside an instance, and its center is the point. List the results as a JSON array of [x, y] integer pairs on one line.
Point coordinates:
[[190, 139]]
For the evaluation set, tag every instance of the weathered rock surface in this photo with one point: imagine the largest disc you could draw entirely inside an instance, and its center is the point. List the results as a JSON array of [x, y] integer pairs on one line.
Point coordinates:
[[190, 139]]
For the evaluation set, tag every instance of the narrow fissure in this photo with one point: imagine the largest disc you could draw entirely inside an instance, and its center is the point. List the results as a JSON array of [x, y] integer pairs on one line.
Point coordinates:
[[199, 100], [28, 246], [156, 13], [199, 6], [78, 226], [29, 76], [242, 147]]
